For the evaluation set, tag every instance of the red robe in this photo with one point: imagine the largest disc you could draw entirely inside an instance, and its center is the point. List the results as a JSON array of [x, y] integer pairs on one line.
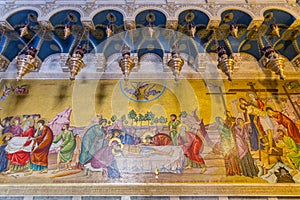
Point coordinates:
[[21, 157], [292, 129], [162, 139], [192, 147], [43, 141]]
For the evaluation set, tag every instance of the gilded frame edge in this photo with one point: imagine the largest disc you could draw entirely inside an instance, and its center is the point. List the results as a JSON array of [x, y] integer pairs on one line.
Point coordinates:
[[150, 189]]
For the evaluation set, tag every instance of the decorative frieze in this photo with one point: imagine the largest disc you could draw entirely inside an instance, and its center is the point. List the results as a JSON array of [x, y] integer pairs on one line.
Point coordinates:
[[172, 24], [129, 25]]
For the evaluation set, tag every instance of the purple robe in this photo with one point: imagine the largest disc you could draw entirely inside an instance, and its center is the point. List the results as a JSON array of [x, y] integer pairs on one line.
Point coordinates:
[[16, 130], [241, 135], [102, 158]]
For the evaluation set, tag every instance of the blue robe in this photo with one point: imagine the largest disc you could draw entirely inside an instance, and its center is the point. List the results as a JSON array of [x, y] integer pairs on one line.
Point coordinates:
[[253, 134], [3, 158], [92, 141], [127, 139]]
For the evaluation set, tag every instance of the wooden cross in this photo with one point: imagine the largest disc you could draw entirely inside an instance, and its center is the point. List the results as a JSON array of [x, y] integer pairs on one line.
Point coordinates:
[[221, 93], [253, 89], [286, 93]]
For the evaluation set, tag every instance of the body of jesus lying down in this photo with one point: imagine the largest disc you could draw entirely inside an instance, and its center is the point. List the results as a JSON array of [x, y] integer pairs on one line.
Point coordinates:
[[139, 158], [139, 151]]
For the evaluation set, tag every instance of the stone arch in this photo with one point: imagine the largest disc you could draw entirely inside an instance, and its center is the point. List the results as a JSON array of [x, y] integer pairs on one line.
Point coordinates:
[[11, 12], [151, 57], [291, 12], [95, 12], [177, 13], [80, 11], [220, 11], [138, 11]]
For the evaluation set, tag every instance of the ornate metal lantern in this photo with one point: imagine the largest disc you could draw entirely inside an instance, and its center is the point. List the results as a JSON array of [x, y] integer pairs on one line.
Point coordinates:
[[225, 63], [26, 62], [273, 61], [75, 62], [24, 30], [275, 31], [234, 29], [126, 63], [176, 63], [67, 31]]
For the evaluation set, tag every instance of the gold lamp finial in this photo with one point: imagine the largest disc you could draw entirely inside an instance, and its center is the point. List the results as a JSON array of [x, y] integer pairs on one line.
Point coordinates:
[[26, 62], [225, 63], [75, 62], [273, 61], [126, 63], [175, 63]]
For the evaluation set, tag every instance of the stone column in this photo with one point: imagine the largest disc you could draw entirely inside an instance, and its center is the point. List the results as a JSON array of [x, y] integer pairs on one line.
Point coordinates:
[[100, 62], [201, 62], [63, 62], [238, 60], [166, 58]]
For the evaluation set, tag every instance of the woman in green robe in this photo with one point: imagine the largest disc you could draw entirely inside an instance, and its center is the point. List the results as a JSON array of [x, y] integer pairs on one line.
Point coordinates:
[[67, 147]]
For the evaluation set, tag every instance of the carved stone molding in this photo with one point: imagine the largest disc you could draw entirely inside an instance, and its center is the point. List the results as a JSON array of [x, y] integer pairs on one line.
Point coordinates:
[[5, 25], [201, 62], [296, 62], [87, 23], [129, 25], [4, 62], [238, 60], [45, 24], [100, 62], [255, 23], [213, 23], [172, 24], [63, 62], [166, 58]]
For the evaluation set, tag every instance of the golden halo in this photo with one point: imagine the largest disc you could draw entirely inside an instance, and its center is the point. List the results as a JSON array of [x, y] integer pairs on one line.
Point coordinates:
[[46, 121], [8, 134], [180, 126], [115, 139], [30, 120], [143, 138], [16, 117]]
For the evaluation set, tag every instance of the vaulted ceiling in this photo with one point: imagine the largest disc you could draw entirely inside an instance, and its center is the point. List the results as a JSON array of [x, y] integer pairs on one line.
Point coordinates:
[[95, 40]]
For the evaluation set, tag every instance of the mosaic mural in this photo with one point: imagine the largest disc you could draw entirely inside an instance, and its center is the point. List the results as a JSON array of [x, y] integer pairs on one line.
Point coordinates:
[[162, 131]]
